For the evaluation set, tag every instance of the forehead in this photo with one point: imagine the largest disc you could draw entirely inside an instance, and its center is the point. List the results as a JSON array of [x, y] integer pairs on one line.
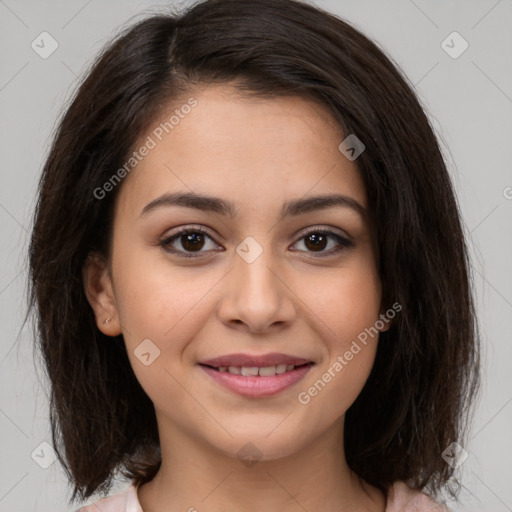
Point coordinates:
[[254, 151]]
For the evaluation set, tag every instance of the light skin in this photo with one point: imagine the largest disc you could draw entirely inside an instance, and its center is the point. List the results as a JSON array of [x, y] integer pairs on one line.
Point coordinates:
[[296, 298]]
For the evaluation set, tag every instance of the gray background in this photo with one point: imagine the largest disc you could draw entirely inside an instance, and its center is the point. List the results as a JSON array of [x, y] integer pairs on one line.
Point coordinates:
[[469, 100]]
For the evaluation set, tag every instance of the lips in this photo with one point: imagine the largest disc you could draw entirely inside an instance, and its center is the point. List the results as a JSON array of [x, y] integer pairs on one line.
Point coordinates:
[[261, 361], [257, 376], [257, 385]]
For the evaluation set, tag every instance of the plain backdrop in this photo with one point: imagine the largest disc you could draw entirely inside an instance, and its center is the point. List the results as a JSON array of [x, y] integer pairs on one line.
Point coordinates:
[[468, 99]]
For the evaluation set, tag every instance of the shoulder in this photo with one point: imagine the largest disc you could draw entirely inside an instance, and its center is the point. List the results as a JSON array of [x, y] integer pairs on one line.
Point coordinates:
[[401, 498], [125, 501]]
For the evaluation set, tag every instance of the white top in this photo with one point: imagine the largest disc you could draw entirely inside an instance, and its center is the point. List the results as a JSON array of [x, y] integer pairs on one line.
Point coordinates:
[[400, 498]]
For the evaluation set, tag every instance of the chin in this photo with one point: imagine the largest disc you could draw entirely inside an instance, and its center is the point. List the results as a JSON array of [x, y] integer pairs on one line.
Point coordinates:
[[260, 447]]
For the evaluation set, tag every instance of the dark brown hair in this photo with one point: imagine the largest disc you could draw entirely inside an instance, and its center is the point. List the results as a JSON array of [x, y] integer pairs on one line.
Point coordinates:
[[417, 398]]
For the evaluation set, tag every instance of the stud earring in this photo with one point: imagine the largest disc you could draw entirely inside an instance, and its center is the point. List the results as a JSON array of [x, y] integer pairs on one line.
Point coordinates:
[[107, 321]]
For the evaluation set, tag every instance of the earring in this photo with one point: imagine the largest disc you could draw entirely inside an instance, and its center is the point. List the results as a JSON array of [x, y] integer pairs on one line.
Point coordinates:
[[107, 321]]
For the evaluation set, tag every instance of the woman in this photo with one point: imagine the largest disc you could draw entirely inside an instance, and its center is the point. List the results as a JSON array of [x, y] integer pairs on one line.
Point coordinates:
[[250, 274]]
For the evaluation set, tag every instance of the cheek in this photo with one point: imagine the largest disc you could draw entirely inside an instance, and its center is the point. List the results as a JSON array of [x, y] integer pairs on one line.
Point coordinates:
[[148, 308], [337, 384], [346, 306], [160, 311], [154, 297], [351, 341], [345, 302]]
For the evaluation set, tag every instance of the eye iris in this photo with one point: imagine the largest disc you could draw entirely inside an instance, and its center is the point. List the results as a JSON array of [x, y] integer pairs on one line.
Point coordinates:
[[189, 241], [319, 241]]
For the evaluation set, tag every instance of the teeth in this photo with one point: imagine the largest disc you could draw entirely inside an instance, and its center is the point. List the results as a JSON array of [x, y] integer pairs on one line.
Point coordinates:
[[252, 371], [249, 370], [267, 371], [280, 368]]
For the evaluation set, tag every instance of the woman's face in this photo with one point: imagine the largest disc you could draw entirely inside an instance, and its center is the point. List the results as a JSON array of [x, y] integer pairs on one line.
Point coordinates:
[[253, 283]]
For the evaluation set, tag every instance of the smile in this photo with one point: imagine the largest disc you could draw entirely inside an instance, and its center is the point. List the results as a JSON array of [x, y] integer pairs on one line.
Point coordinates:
[[254, 381], [254, 371]]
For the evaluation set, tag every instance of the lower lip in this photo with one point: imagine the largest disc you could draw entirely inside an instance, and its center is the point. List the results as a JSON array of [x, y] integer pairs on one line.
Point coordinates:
[[258, 386]]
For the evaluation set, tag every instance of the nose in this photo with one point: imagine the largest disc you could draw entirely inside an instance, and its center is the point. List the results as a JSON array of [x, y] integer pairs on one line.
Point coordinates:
[[256, 296]]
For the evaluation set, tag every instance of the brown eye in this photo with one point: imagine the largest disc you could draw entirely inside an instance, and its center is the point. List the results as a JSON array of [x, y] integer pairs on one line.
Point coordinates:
[[190, 240], [317, 240]]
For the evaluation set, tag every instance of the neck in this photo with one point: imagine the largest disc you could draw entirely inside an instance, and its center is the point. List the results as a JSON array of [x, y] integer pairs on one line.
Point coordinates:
[[196, 477]]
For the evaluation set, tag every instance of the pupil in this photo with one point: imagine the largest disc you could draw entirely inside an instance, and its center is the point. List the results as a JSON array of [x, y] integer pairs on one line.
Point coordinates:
[[191, 241], [318, 240]]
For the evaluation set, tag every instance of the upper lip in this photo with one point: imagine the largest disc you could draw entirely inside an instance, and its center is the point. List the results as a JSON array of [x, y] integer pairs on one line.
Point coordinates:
[[248, 360]]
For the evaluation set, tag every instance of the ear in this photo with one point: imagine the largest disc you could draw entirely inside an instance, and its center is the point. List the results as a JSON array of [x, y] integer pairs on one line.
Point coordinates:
[[99, 292]]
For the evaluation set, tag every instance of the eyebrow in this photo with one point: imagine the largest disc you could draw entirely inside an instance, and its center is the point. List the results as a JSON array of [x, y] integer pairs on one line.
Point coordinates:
[[228, 208]]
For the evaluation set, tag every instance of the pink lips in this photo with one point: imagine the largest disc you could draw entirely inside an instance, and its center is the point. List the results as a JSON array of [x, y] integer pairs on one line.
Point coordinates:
[[248, 360], [256, 386]]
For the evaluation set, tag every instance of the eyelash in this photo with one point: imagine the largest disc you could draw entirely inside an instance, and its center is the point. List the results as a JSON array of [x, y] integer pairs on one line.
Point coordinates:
[[166, 242]]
